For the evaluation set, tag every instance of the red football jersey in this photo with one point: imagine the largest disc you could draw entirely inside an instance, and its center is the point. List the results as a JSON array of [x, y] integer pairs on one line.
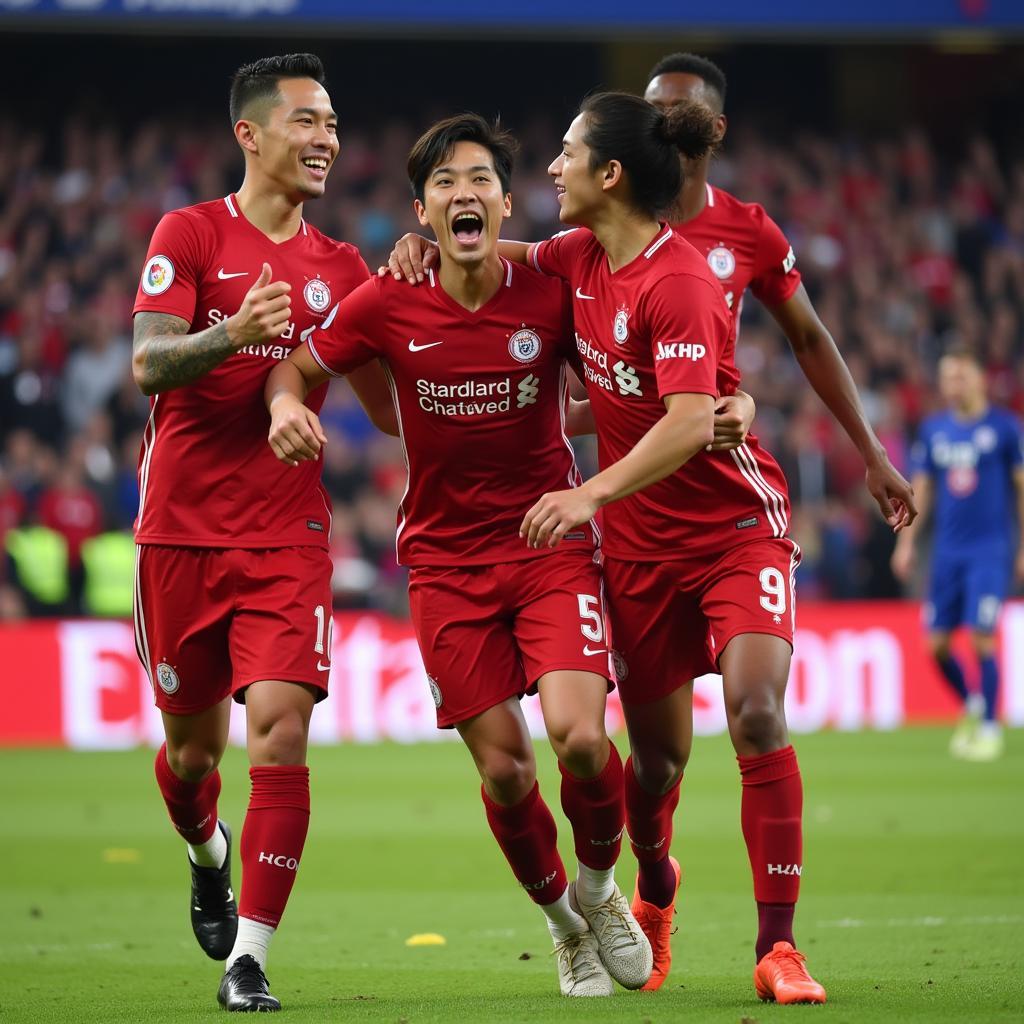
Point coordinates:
[[481, 401], [207, 477], [744, 248], [656, 327]]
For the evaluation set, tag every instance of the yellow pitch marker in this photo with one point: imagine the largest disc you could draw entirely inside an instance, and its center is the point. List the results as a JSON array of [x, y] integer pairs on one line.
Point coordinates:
[[426, 939], [121, 855]]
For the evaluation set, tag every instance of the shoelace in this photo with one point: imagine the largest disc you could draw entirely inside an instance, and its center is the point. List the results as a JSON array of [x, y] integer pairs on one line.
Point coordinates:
[[569, 950], [791, 964], [248, 967], [663, 927], [613, 912]]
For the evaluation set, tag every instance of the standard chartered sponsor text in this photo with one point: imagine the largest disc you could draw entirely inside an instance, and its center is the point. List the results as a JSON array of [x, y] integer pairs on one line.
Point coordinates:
[[475, 397]]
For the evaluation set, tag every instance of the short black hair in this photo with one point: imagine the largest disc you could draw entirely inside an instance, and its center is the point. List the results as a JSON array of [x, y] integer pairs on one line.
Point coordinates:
[[437, 144], [647, 143], [691, 64], [257, 81]]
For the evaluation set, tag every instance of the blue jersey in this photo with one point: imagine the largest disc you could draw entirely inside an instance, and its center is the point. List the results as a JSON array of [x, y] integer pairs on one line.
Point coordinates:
[[971, 464]]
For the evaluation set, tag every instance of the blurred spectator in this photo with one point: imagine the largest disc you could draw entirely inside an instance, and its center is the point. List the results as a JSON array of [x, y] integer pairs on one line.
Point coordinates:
[[902, 248]]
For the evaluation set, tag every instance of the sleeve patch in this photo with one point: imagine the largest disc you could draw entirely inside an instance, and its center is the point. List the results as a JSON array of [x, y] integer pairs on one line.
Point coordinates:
[[157, 275]]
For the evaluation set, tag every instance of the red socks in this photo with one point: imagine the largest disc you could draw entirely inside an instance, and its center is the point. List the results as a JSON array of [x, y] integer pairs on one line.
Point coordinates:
[[191, 805], [527, 835], [596, 812], [771, 813], [273, 836], [649, 823]]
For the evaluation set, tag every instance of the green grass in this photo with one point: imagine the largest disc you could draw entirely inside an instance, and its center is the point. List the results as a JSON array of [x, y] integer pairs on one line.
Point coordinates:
[[912, 908]]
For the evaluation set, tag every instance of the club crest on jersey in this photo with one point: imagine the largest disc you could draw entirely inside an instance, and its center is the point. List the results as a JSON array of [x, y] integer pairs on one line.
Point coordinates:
[[317, 295], [166, 678], [620, 327], [435, 690], [722, 262], [157, 275], [524, 345]]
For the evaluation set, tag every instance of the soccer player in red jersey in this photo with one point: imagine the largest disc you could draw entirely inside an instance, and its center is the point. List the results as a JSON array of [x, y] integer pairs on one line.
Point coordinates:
[[232, 595], [699, 563], [745, 248], [477, 361]]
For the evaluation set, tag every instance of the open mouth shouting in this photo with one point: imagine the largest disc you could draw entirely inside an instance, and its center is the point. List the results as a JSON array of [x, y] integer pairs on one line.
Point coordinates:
[[467, 227]]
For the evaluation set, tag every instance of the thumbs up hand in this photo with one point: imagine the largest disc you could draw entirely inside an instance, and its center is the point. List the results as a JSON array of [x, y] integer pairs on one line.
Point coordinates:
[[264, 313]]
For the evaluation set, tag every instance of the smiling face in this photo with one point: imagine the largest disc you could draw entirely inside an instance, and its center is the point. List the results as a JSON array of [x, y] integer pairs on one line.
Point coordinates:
[[581, 189], [464, 203], [293, 142]]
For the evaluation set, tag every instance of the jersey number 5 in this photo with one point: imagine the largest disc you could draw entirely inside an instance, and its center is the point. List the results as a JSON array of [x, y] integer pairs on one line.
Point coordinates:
[[590, 612]]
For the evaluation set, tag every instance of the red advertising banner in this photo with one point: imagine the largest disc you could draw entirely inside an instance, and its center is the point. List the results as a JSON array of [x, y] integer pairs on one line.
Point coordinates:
[[856, 665]]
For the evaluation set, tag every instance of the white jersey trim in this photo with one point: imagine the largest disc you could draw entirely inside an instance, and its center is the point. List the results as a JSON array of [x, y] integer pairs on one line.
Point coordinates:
[[711, 194], [794, 561], [148, 447], [393, 385], [231, 206], [322, 364], [744, 462], [574, 476], [658, 244], [139, 620], [508, 275]]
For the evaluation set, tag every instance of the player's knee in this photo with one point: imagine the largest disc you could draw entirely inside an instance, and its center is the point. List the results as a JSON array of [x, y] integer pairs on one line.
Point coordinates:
[[760, 723], [658, 771], [508, 777], [582, 749], [192, 762], [281, 740]]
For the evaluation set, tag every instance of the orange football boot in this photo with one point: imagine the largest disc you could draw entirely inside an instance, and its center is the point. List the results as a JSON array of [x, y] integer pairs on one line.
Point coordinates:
[[656, 924], [781, 977]]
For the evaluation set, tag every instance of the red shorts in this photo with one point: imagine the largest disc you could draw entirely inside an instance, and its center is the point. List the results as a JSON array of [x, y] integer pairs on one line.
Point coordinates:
[[490, 632], [210, 621], [671, 620]]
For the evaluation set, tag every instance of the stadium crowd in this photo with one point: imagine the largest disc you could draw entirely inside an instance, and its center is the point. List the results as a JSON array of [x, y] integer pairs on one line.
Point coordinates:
[[903, 251]]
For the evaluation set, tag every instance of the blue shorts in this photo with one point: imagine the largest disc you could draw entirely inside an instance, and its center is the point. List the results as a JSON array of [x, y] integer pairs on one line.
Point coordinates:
[[968, 589]]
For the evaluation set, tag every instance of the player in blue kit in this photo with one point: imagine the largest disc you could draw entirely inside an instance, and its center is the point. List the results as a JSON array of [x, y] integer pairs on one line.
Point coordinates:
[[968, 468]]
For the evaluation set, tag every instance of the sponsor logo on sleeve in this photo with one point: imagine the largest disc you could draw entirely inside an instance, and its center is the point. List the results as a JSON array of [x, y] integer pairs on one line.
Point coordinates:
[[789, 262], [680, 350], [157, 275]]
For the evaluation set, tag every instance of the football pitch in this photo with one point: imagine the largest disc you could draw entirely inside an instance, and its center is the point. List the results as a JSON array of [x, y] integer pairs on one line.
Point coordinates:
[[912, 905]]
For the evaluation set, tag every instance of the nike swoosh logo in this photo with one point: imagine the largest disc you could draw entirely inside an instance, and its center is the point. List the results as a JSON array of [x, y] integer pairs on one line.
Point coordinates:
[[221, 276], [600, 650], [321, 667], [580, 295], [413, 347]]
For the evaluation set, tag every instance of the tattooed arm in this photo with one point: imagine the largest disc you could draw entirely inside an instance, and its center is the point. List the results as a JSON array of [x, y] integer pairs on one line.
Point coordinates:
[[166, 356]]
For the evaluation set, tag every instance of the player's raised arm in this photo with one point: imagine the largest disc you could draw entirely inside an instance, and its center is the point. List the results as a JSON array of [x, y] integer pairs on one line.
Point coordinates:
[[166, 356], [295, 431], [824, 367], [686, 428]]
